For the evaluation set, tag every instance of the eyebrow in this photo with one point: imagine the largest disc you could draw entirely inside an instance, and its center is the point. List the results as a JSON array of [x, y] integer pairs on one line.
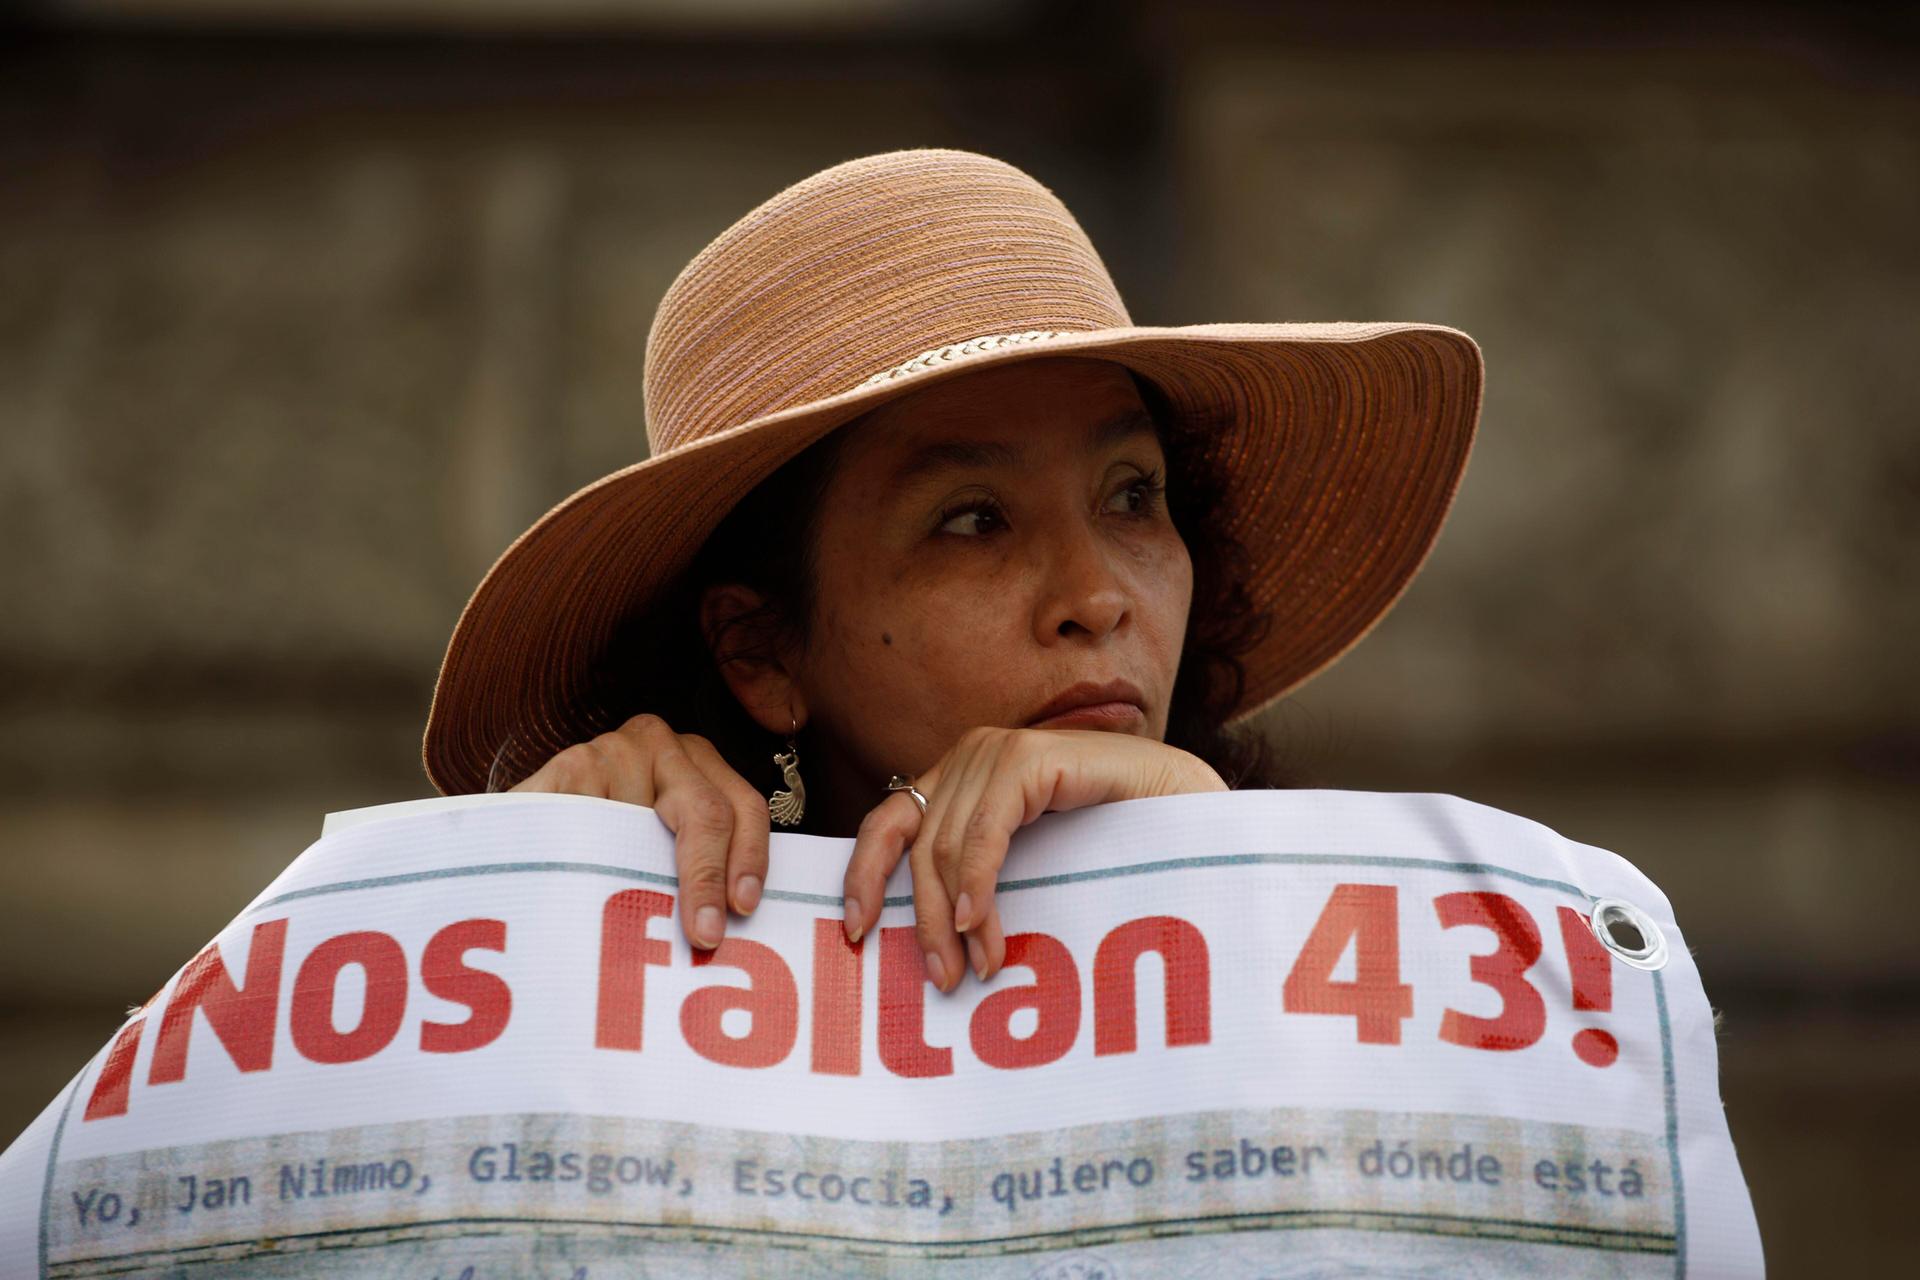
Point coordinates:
[[946, 454]]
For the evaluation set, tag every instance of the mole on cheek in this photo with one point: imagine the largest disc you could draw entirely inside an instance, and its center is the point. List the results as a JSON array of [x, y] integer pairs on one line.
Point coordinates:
[[886, 637]]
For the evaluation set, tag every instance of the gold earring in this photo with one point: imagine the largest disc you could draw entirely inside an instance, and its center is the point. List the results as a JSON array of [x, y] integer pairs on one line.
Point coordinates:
[[787, 806]]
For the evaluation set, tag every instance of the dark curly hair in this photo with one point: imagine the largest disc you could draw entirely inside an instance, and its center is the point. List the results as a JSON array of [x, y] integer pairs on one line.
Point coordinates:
[[1222, 624]]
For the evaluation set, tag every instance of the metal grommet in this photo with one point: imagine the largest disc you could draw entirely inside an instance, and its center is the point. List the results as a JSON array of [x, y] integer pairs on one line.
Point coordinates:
[[1629, 933]]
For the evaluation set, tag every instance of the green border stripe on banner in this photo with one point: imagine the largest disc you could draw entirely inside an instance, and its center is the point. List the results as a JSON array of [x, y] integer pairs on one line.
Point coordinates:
[[616, 872]]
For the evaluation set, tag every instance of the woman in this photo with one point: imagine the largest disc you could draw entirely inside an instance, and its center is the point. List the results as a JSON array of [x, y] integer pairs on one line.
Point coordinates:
[[925, 509]]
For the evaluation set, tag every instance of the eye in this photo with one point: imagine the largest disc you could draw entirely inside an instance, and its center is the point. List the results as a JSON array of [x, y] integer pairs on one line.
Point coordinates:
[[1138, 498], [981, 516]]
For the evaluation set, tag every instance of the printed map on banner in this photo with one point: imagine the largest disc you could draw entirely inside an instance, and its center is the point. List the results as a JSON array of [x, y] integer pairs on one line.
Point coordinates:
[[1276, 1034]]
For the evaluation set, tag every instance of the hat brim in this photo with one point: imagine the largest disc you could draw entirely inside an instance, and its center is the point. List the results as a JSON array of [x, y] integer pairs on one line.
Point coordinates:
[[1341, 447]]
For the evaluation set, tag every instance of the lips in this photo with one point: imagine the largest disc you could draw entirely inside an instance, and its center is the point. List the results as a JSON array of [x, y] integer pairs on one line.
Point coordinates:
[[1114, 704]]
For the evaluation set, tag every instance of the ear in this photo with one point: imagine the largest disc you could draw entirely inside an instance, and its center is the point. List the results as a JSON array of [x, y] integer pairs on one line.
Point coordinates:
[[744, 644]]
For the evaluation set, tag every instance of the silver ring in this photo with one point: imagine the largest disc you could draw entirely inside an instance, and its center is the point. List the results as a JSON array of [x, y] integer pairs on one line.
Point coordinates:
[[899, 783]]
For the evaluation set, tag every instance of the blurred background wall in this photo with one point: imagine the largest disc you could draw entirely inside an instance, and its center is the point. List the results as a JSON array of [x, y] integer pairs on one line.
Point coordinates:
[[306, 309]]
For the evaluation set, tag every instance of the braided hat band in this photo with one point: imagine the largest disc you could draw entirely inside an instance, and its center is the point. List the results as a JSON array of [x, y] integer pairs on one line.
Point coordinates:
[[1341, 444], [953, 351]]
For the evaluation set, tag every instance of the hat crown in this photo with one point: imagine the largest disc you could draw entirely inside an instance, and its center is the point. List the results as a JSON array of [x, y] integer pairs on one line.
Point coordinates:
[[855, 270]]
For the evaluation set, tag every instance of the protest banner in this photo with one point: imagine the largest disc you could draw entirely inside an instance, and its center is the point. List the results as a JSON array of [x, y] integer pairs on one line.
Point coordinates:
[[1266, 1033]]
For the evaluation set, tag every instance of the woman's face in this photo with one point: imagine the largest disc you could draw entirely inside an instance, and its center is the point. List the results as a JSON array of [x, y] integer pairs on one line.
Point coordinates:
[[989, 548]]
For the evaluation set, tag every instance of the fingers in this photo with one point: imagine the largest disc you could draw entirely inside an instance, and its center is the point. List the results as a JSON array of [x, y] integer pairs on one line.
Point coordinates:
[[975, 801], [976, 826], [720, 822], [933, 920], [973, 841], [702, 821], [952, 787], [877, 848], [752, 824], [575, 771], [987, 945], [986, 835]]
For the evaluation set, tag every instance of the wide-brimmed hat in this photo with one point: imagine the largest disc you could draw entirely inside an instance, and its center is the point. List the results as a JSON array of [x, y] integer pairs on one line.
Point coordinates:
[[1341, 444]]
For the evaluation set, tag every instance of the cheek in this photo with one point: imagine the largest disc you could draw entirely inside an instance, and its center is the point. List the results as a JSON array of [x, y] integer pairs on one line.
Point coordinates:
[[1182, 590], [931, 648], [1163, 590], [901, 666]]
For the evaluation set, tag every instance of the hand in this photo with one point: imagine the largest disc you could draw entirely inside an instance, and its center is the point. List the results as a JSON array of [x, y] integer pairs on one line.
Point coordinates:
[[719, 820], [991, 783]]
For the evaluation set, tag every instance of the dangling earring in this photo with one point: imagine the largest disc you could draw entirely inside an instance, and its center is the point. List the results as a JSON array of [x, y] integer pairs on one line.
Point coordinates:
[[787, 806]]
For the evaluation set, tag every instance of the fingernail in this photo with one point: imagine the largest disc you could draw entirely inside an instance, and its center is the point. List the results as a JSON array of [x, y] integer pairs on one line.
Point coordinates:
[[963, 913], [978, 954], [936, 972], [747, 893], [850, 919], [707, 924]]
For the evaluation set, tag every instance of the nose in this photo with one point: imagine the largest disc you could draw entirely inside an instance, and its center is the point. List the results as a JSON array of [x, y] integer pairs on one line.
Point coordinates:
[[1083, 598]]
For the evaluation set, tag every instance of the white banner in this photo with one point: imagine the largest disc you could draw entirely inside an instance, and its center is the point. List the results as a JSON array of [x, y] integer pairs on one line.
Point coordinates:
[[1277, 1034]]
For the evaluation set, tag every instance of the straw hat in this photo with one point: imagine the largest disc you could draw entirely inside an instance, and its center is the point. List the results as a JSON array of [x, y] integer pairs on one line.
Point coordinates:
[[1342, 448]]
